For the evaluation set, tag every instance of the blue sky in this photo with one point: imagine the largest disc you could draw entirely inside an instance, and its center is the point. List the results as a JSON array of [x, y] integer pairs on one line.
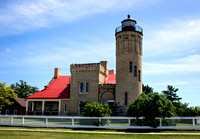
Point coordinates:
[[38, 35]]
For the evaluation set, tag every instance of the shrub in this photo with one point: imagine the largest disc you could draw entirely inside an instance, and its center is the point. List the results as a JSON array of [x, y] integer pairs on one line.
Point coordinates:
[[151, 106], [95, 110]]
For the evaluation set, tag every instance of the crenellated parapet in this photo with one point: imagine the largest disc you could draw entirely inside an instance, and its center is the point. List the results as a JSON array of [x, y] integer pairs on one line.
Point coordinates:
[[89, 67]]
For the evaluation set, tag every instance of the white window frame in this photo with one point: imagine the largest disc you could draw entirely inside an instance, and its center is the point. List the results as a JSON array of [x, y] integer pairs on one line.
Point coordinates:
[[87, 91], [81, 92]]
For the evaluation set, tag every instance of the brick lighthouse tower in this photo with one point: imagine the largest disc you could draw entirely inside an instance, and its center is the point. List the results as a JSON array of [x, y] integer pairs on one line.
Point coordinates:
[[128, 63]]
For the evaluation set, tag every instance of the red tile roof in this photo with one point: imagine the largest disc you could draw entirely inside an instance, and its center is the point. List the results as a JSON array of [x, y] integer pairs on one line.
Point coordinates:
[[57, 89], [111, 79], [21, 101]]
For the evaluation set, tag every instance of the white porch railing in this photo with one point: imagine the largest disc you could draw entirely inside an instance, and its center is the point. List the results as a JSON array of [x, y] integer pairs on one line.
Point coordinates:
[[98, 122]]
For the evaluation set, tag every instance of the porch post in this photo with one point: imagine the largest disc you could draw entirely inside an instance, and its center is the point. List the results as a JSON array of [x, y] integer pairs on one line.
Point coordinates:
[[33, 106], [59, 106], [43, 106], [26, 106]]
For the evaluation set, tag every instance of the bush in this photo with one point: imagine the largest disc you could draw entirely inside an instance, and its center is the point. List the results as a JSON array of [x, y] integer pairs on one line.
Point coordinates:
[[150, 106], [95, 110]]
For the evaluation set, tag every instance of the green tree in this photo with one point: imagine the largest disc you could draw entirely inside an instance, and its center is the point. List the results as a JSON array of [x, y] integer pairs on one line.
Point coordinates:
[[96, 109], [24, 90], [151, 106], [171, 94], [147, 89], [6, 94], [181, 108], [192, 111]]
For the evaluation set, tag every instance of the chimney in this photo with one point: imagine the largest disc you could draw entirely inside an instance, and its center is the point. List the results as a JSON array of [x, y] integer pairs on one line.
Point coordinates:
[[111, 71], [56, 72], [104, 64], [104, 69]]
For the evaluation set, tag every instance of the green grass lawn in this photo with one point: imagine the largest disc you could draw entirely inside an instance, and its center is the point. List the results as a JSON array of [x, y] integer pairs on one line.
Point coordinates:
[[49, 135], [12, 133]]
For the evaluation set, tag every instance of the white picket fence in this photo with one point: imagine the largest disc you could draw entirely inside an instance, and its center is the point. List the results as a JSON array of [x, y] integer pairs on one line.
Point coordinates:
[[98, 122]]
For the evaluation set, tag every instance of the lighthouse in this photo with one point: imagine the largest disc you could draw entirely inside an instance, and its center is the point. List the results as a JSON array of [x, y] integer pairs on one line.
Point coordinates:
[[128, 62]]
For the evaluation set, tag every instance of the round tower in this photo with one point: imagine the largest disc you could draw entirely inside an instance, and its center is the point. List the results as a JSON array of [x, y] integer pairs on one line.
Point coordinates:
[[128, 62]]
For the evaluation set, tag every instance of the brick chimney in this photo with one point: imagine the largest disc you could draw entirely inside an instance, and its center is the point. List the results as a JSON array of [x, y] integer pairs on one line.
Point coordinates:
[[111, 71], [104, 64], [56, 72]]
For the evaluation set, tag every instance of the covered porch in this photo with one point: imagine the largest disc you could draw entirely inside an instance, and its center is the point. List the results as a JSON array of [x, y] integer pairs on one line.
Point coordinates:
[[43, 107]]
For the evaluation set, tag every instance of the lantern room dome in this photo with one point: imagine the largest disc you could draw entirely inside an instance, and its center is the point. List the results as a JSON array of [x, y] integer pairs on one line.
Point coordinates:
[[129, 25]]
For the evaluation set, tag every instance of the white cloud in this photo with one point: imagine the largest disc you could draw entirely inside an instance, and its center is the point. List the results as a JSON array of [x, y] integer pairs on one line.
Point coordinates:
[[177, 36], [18, 15], [185, 65]]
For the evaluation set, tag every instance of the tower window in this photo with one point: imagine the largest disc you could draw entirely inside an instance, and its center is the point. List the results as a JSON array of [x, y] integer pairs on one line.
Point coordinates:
[[81, 88], [139, 75], [130, 66], [135, 71], [126, 99], [86, 87]]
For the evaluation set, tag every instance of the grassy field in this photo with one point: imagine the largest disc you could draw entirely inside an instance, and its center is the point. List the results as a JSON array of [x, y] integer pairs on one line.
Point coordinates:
[[33, 132], [48, 135]]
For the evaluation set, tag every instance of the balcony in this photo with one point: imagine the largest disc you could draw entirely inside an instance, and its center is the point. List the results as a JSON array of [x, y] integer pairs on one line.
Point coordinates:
[[129, 28]]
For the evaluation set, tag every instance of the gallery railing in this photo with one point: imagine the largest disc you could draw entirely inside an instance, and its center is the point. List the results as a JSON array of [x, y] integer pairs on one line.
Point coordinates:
[[129, 28], [98, 122]]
